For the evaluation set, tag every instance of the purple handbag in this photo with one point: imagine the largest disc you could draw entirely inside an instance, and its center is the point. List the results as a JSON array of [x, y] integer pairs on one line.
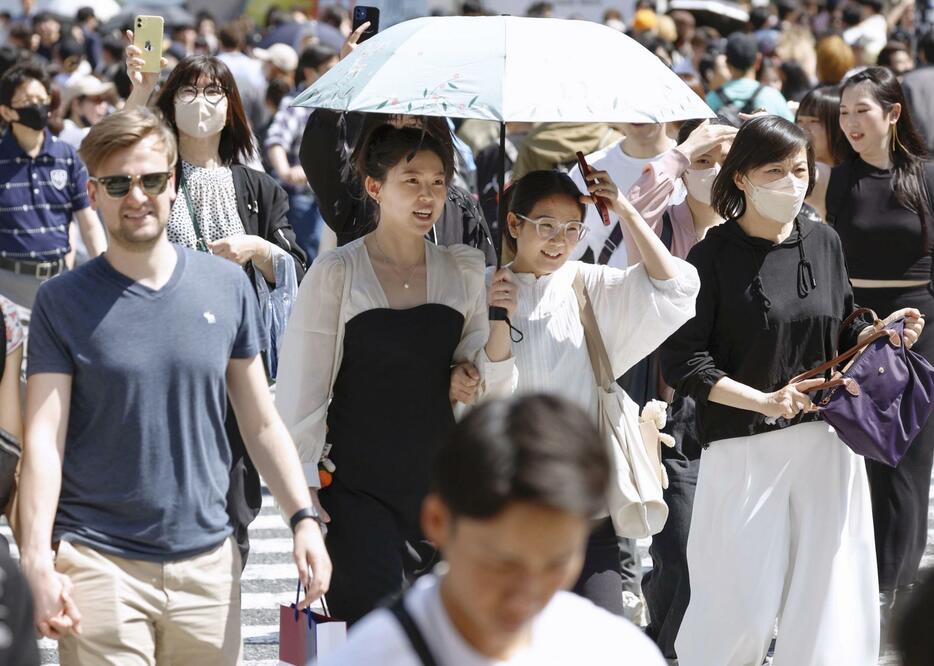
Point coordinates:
[[882, 398]]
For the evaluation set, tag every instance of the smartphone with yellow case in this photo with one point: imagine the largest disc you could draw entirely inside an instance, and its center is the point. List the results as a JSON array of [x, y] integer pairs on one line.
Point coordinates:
[[147, 37]]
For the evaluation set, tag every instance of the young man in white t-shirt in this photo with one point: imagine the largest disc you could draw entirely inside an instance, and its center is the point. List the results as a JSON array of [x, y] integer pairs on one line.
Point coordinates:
[[624, 161], [515, 490]]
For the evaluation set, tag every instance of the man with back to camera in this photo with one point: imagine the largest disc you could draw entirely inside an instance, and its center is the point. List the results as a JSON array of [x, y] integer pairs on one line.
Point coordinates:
[[126, 459], [44, 185], [743, 91], [515, 490]]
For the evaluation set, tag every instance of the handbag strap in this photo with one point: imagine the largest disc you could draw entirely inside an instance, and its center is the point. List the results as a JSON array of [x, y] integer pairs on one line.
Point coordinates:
[[412, 632], [200, 243], [596, 349], [834, 362]]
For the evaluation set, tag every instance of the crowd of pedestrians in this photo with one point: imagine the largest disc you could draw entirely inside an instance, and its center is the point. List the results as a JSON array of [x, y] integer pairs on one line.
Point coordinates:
[[442, 472]]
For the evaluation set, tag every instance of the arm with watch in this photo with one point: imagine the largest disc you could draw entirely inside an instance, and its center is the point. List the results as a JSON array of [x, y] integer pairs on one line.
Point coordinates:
[[270, 447]]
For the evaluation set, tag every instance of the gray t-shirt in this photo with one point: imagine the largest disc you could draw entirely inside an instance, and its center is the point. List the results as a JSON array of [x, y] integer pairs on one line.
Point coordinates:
[[146, 465]]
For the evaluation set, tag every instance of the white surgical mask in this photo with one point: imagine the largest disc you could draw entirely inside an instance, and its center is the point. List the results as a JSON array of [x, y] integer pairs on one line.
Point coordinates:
[[779, 201], [200, 118], [700, 181]]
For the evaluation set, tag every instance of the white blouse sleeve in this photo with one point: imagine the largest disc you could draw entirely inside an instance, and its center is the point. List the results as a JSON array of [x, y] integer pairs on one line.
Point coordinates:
[[637, 313], [307, 359], [498, 379]]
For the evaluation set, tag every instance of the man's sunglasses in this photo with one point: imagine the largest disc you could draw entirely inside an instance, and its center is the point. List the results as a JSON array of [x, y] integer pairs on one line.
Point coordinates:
[[117, 187]]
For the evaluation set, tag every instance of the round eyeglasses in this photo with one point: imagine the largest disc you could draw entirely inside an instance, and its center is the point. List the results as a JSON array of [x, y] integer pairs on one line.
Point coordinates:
[[213, 94], [548, 228]]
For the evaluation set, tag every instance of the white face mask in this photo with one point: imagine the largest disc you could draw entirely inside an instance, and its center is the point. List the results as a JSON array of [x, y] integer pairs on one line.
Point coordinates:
[[200, 118], [700, 181], [779, 201]]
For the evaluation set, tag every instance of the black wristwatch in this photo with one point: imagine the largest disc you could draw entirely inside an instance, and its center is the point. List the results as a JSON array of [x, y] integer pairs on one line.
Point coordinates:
[[308, 513]]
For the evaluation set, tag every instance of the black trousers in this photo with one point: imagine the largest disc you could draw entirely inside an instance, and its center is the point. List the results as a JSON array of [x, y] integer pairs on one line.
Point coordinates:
[[601, 579], [667, 586], [900, 495], [376, 549]]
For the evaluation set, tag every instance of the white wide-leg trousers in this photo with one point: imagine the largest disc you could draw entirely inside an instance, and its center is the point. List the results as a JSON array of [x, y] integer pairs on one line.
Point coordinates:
[[781, 528]]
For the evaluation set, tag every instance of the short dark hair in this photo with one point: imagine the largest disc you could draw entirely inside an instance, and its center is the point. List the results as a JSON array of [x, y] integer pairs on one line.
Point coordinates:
[[926, 46], [523, 194], [823, 103], [19, 74], [231, 36], [539, 449], [688, 126], [333, 15], [237, 143], [741, 51], [385, 146], [84, 13], [891, 47], [759, 17], [312, 58], [761, 140]]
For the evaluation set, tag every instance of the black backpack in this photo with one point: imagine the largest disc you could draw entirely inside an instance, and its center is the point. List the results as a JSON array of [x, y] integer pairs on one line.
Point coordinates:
[[732, 108]]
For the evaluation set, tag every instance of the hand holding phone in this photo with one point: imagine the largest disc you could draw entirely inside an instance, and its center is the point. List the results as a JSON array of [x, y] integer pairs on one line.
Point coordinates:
[[147, 37], [599, 202], [366, 14]]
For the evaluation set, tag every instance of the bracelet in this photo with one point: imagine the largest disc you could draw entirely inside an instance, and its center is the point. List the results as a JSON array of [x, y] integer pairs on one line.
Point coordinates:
[[308, 513]]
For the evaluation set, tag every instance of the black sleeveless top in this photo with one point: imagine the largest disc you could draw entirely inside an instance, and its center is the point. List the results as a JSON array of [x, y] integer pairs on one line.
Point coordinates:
[[882, 240], [390, 408]]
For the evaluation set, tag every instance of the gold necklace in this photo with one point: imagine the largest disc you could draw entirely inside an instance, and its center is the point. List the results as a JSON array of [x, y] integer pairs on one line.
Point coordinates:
[[406, 282]]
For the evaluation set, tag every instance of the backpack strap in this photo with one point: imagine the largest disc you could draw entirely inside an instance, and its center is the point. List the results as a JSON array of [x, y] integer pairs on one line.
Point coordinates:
[[609, 247], [749, 106], [841, 182], [668, 230], [724, 99], [412, 632]]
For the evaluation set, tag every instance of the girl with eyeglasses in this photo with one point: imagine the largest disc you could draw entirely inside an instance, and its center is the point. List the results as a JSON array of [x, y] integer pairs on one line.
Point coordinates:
[[226, 208], [636, 309]]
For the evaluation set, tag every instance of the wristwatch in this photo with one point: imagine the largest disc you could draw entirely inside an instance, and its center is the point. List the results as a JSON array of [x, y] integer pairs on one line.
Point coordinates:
[[308, 513]]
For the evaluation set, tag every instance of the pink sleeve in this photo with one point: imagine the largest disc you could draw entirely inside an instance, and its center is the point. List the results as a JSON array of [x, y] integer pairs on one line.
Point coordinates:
[[651, 194]]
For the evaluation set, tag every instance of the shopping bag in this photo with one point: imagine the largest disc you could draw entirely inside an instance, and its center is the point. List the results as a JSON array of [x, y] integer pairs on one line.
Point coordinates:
[[305, 636]]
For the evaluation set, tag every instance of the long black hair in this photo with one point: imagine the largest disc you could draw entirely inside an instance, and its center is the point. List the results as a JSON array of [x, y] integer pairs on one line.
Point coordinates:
[[823, 103], [906, 147], [761, 140]]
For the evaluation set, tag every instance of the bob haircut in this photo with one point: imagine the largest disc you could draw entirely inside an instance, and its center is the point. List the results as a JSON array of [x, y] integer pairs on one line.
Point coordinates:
[[823, 103], [538, 449], [385, 146], [237, 144], [760, 141], [523, 195]]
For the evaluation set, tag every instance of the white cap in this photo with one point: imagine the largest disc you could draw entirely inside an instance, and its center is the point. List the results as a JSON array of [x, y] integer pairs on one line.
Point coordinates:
[[86, 86], [281, 56]]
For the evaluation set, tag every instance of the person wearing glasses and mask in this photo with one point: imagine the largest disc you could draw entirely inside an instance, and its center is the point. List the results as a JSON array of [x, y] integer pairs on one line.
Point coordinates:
[[44, 186], [228, 209], [636, 309]]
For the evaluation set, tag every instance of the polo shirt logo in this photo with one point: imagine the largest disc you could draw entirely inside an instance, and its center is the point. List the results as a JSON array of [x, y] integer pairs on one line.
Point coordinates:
[[58, 178]]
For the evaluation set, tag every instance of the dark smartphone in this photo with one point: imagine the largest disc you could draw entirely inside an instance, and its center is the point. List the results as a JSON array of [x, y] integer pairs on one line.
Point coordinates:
[[600, 203], [362, 14]]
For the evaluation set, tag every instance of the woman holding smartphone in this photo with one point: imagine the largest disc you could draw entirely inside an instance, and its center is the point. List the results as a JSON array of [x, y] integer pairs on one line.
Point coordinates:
[[636, 309]]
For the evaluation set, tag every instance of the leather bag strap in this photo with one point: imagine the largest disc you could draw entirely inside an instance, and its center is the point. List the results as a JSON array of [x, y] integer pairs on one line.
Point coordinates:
[[599, 359], [834, 362]]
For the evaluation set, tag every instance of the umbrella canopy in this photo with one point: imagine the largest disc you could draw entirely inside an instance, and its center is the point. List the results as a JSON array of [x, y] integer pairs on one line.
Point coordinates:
[[506, 68], [174, 16]]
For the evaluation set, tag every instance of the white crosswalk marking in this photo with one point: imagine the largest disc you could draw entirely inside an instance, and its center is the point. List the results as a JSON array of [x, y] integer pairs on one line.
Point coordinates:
[[269, 580]]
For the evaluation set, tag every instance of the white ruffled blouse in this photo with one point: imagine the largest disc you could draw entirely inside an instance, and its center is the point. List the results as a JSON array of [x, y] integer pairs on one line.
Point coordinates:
[[635, 314], [312, 343]]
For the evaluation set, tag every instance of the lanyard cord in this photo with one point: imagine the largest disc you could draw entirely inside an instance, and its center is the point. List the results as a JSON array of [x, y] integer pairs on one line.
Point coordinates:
[[200, 244]]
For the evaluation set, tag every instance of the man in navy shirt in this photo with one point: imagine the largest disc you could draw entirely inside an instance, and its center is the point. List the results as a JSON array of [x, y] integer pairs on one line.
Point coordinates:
[[43, 184], [126, 462]]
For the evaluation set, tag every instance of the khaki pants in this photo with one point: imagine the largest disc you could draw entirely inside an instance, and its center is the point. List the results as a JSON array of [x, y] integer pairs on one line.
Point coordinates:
[[136, 613]]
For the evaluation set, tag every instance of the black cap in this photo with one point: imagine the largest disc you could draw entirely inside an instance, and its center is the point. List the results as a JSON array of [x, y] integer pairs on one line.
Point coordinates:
[[741, 51]]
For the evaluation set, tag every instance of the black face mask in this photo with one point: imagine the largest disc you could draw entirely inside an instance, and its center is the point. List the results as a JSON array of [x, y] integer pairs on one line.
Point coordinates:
[[35, 116]]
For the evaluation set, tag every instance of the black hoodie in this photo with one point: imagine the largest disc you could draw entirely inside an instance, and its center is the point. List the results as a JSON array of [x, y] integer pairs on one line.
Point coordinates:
[[765, 313]]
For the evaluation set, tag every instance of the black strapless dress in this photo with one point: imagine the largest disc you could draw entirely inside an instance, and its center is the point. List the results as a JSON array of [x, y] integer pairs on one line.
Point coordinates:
[[389, 413]]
